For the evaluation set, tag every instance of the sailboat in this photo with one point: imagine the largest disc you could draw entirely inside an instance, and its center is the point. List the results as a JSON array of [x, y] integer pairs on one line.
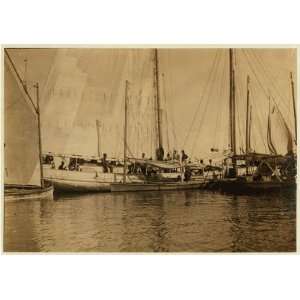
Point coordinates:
[[149, 184], [23, 172], [265, 172], [89, 176]]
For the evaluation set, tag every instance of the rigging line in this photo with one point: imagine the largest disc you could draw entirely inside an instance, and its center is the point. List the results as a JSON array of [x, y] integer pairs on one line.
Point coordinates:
[[206, 106], [166, 112], [222, 87], [201, 98], [255, 74], [175, 142], [282, 120], [219, 114], [239, 96], [277, 106], [21, 82], [280, 113], [240, 103], [269, 78], [258, 116]]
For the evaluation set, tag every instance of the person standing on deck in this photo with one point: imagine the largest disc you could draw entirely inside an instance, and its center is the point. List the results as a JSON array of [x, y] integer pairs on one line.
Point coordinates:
[[184, 156], [168, 156], [160, 153], [176, 156], [142, 165], [105, 164]]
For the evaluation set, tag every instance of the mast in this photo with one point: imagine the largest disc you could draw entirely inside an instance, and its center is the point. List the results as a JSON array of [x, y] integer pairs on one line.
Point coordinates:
[[157, 96], [125, 131], [232, 104], [39, 130], [250, 125], [98, 124], [247, 116], [247, 125], [294, 106]]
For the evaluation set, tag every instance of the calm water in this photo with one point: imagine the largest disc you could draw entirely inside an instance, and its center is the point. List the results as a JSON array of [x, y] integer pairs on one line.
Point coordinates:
[[152, 221]]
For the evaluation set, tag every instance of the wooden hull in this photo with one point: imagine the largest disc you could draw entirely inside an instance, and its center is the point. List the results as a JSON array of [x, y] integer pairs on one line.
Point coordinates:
[[134, 187], [83, 186], [83, 182], [16, 193], [241, 187]]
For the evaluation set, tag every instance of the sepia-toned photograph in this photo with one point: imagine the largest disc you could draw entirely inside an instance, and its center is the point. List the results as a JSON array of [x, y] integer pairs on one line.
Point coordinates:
[[149, 149]]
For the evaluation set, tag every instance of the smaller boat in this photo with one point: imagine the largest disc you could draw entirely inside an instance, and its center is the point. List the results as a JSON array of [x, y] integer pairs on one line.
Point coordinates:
[[14, 192], [23, 160]]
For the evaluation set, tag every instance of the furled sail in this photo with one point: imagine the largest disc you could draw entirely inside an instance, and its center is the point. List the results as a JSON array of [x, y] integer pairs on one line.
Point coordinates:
[[279, 137], [21, 138]]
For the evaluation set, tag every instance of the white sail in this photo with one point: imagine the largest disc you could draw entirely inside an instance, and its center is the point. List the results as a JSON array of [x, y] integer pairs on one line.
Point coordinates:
[[21, 138], [77, 94]]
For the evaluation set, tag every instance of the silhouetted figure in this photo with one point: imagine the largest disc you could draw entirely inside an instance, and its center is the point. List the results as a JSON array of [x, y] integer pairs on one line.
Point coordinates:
[[160, 153], [176, 156], [106, 166], [184, 156], [62, 166], [187, 174]]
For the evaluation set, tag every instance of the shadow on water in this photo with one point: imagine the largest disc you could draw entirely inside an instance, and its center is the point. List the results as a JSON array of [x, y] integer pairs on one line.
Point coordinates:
[[174, 221]]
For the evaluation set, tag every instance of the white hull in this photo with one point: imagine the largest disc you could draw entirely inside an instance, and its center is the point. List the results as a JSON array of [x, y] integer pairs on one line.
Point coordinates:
[[75, 181]]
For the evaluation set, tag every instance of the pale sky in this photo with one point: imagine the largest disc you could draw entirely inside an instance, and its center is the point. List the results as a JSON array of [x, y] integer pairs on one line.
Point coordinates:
[[79, 86]]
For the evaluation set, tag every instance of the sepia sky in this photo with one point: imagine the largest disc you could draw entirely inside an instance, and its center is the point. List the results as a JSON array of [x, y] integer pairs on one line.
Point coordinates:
[[80, 85]]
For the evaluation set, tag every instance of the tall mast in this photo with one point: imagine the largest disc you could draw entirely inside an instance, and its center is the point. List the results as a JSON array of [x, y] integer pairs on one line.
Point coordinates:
[[247, 125], [98, 124], [247, 117], [39, 132], [125, 130], [250, 127], [232, 104], [157, 96], [294, 106]]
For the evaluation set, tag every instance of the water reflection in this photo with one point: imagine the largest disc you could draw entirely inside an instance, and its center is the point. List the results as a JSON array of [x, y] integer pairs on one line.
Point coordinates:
[[152, 222]]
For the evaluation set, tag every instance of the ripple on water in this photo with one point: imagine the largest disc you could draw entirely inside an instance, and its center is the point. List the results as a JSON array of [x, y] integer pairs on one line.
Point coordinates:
[[193, 221]]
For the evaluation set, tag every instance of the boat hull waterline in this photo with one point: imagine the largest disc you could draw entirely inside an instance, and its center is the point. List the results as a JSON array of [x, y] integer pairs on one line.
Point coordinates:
[[236, 186], [135, 187], [16, 192]]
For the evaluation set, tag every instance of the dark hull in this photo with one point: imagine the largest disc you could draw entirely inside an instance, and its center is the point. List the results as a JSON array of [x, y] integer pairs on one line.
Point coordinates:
[[236, 186]]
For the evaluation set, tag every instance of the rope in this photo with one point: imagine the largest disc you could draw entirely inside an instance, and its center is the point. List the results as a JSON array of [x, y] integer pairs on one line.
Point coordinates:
[[201, 98], [269, 76], [219, 120], [21, 82], [218, 113], [258, 117], [166, 113], [259, 80], [206, 105]]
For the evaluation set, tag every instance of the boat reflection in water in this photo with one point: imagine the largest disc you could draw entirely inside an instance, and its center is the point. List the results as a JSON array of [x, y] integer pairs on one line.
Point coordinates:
[[181, 221]]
